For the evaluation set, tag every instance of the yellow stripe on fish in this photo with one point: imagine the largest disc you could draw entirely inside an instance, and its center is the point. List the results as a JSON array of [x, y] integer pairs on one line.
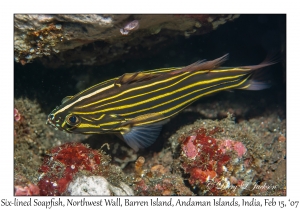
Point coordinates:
[[136, 105]]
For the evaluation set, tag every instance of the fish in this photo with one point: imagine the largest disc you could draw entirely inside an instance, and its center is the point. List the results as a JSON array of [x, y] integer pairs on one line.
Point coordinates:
[[136, 105]]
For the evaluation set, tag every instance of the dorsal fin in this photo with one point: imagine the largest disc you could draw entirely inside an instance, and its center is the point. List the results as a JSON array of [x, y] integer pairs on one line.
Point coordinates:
[[203, 65], [130, 78]]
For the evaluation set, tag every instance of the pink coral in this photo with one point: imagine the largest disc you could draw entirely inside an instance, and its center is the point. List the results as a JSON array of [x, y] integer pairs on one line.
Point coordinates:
[[229, 145], [240, 148], [31, 189], [189, 148], [202, 157], [208, 160], [17, 115]]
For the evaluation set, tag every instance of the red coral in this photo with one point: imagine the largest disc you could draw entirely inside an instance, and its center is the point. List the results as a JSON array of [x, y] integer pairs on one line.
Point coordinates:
[[206, 158], [63, 162], [202, 176]]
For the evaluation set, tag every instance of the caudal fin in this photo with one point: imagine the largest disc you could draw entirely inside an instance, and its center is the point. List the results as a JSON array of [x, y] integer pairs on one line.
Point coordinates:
[[256, 85], [260, 78], [267, 62]]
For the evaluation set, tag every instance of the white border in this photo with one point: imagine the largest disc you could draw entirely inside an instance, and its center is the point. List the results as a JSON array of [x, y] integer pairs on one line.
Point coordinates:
[[153, 6]]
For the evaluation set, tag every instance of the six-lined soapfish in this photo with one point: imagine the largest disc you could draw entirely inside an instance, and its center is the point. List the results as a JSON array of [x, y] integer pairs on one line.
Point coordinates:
[[136, 105]]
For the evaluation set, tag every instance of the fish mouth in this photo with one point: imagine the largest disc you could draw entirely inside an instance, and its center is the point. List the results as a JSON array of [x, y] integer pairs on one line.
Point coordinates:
[[49, 121]]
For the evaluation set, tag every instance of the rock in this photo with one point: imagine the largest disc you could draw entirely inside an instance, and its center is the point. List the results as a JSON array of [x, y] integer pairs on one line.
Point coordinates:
[[65, 163], [96, 39], [97, 185], [226, 158]]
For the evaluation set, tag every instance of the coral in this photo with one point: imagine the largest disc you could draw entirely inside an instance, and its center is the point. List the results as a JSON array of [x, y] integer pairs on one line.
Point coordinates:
[[28, 146], [63, 162], [157, 181], [17, 115], [32, 138], [211, 162], [39, 42], [225, 158], [139, 166], [31, 189], [239, 147], [23, 186], [69, 161], [97, 185], [255, 140], [122, 155]]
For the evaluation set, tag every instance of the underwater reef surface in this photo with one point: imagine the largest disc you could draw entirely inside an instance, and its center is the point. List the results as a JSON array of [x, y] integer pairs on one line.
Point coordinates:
[[229, 143], [81, 39]]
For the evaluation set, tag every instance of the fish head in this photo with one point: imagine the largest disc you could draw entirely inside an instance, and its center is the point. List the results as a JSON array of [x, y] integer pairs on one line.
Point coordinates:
[[63, 120], [74, 120]]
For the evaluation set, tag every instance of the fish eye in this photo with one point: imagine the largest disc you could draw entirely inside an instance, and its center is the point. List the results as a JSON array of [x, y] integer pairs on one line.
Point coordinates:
[[51, 116], [72, 120]]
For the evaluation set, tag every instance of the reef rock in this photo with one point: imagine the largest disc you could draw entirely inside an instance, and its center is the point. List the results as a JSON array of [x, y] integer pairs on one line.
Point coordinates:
[[94, 39], [225, 158], [78, 164], [97, 185]]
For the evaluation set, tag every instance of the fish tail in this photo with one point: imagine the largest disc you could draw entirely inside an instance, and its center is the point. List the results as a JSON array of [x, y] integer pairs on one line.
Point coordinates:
[[252, 84], [260, 78]]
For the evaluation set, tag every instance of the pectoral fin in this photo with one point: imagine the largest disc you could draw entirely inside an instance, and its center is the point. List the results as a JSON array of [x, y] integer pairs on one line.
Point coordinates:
[[142, 136], [142, 131]]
